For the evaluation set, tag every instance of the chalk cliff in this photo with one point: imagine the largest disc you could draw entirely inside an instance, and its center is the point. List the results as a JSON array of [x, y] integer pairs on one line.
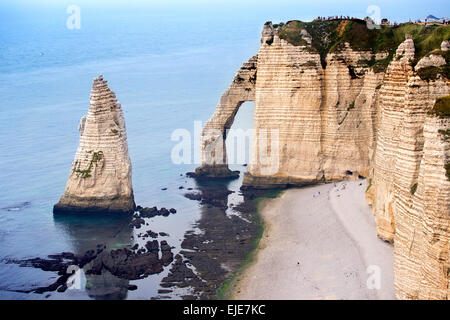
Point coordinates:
[[100, 177], [335, 101]]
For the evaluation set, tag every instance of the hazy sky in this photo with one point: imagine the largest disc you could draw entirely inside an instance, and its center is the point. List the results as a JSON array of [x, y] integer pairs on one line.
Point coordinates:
[[281, 10]]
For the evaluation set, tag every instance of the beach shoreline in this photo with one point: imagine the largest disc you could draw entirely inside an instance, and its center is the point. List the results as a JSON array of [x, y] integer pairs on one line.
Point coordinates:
[[318, 242]]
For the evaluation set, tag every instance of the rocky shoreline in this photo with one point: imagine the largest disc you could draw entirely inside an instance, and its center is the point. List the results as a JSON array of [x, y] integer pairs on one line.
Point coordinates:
[[221, 246], [210, 253], [127, 263]]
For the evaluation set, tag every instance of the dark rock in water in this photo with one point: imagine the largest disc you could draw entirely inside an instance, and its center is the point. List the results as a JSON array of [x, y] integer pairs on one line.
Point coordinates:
[[163, 189], [164, 246], [149, 212], [218, 172], [62, 288], [193, 196], [164, 291], [62, 255], [164, 212], [152, 234], [166, 253], [172, 210], [152, 246], [122, 263], [132, 287], [125, 264], [135, 247], [17, 207], [217, 197], [244, 165], [139, 208], [180, 187], [137, 222], [190, 188], [163, 234]]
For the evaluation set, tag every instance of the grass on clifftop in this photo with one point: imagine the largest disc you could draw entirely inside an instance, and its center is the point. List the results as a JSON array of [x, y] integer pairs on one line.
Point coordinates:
[[329, 35]]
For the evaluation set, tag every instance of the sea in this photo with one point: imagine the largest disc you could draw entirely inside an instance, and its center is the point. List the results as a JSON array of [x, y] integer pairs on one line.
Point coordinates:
[[168, 70]]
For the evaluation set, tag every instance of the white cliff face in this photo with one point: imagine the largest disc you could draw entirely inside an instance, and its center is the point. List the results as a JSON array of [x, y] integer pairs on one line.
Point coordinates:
[[100, 177], [346, 120], [410, 190], [422, 213], [391, 101], [433, 208], [324, 119], [287, 99]]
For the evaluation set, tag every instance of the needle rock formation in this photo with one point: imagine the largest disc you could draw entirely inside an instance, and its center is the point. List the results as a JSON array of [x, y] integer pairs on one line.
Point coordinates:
[[100, 177]]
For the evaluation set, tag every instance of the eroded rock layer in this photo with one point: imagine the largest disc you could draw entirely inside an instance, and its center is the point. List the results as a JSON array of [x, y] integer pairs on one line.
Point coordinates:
[[349, 112], [100, 177]]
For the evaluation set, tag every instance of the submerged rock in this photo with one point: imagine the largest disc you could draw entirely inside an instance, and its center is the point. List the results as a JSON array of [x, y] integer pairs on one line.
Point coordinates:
[[122, 263]]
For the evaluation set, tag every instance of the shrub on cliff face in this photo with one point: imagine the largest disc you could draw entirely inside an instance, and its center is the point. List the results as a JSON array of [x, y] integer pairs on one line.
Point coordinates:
[[429, 73], [441, 107]]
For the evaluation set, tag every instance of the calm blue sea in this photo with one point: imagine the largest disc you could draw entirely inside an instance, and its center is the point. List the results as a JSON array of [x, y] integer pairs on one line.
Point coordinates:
[[167, 69]]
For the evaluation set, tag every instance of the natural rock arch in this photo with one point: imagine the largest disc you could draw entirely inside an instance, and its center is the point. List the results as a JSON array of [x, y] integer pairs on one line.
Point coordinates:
[[213, 136]]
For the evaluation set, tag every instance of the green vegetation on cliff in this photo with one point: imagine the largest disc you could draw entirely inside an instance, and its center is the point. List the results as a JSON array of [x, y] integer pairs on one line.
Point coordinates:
[[86, 173], [329, 36], [432, 72], [441, 107]]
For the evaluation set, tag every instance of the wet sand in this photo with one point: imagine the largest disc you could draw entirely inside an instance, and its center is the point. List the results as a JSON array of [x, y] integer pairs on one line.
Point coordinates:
[[319, 243]]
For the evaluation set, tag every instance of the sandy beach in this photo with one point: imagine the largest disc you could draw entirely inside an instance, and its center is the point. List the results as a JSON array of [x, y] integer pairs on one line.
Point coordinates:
[[319, 243]]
